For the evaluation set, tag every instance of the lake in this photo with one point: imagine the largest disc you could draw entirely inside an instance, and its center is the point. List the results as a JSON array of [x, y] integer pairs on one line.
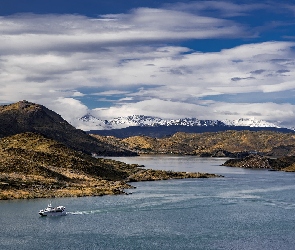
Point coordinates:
[[247, 209]]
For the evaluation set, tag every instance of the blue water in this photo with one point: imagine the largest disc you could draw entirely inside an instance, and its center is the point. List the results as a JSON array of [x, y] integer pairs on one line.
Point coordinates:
[[248, 209]]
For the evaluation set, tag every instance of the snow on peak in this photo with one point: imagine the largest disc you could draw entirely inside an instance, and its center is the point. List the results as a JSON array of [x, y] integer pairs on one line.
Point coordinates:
[[90, 122], [249, 122]]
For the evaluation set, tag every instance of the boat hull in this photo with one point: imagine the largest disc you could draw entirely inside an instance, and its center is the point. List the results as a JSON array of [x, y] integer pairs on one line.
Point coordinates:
[[52, 213]]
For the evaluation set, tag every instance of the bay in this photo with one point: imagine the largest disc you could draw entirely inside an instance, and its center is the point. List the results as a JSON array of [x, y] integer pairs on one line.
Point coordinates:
[[247, 209]]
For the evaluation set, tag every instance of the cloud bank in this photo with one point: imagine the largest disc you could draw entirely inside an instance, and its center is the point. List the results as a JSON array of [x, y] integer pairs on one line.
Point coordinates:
[[134, 63]]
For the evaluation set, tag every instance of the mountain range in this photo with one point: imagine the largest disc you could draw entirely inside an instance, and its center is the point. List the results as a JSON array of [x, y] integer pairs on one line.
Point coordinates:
[[90, 122], [123, 127], [42, 155]]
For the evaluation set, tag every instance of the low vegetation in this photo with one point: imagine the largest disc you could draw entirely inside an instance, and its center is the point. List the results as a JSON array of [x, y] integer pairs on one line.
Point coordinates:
[[216, 144], [25, 116], [32, 166]]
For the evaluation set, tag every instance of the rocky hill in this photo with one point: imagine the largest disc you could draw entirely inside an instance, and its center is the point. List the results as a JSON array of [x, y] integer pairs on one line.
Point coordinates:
[[25, 116], [286, 163], [33, 166], [218, 144]]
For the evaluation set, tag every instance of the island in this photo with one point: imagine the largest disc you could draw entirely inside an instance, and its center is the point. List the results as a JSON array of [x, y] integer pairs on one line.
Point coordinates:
[[256, 161]]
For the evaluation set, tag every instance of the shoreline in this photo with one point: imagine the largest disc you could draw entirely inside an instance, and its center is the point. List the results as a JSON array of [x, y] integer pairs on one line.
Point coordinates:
[[93, 187]]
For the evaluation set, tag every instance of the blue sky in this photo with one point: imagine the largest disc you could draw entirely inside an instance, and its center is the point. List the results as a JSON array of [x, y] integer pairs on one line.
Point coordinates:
[[170, 59]]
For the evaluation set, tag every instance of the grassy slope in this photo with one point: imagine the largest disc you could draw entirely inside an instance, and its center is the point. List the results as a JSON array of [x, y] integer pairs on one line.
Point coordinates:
[[25, 116], [209, 143], [34, 166]]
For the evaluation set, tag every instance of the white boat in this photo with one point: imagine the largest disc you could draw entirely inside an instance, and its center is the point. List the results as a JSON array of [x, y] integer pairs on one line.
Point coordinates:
[[53, 211]]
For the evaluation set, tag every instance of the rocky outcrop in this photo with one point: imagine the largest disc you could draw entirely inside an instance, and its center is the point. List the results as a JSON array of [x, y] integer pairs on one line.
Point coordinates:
[[286, 163], [154, 175], [250, 161]]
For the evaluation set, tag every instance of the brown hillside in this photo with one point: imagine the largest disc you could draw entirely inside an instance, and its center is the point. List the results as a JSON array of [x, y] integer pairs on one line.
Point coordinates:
[[225, 143], [34, 166], [24, 117]]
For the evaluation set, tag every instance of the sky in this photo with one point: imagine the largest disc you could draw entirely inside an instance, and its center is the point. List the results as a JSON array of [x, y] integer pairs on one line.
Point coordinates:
[[170, 59]]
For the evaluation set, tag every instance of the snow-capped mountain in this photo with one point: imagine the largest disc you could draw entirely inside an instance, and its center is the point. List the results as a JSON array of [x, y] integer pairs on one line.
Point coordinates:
[[249, 122], [89, 122]]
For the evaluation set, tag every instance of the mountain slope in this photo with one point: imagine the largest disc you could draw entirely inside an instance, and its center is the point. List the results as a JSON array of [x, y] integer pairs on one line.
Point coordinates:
[[167, 131], [34, 166], [227, 143], [24, 116]]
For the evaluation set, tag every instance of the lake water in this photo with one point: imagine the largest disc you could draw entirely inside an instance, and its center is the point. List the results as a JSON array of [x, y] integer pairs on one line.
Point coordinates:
[[247, 209]]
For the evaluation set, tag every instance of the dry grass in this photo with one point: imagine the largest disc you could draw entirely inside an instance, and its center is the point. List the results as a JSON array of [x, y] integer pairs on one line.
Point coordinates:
[[32, 166], [206, 143]]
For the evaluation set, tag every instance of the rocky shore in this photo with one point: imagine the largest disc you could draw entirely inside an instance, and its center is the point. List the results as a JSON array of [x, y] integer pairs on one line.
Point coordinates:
[[20, 187]]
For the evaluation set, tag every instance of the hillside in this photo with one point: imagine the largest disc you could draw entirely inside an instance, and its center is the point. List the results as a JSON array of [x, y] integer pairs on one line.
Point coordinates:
[[166, 131], [219, 144], [25, 116], [33, 166]]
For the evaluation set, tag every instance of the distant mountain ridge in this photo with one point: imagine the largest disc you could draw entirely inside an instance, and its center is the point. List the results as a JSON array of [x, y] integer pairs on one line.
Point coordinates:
[[90, 122]]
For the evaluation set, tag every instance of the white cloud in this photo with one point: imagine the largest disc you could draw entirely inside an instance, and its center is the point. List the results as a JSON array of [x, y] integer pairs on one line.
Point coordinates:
[[50, 59], [111, 92], [152, 107], [67, 33], [78, 94], [70, 109]]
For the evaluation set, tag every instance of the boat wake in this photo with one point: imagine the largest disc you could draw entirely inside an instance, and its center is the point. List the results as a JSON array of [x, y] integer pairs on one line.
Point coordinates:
[[85, 212]]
